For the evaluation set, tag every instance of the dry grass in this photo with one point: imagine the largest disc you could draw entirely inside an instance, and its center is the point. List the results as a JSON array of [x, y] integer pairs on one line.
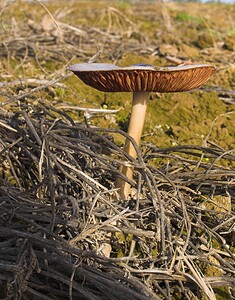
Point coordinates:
[[58, 213]]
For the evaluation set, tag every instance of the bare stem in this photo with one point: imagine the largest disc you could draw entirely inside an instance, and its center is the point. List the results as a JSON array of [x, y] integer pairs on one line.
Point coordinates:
[[139, 105]]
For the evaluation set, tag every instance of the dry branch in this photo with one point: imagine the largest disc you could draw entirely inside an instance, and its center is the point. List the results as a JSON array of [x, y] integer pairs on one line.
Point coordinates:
[[56, 191]]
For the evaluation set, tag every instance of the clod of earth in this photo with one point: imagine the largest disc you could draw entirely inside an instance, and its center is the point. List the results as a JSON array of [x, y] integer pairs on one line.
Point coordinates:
[[141, 79]]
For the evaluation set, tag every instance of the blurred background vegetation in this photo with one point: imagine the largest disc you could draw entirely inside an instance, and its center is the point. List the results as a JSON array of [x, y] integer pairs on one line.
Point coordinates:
[[39, 42]]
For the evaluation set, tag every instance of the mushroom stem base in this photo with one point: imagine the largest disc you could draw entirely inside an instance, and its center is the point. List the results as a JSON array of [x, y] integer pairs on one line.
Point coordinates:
[[139, 105]]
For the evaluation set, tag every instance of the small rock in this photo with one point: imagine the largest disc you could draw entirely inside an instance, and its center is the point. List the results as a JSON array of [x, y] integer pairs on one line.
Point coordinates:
[[167, 49], [229, 43], [188, 51], [204, 40]]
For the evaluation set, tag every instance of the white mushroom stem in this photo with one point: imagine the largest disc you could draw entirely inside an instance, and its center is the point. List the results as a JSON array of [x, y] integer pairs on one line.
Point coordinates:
[[139, 105]]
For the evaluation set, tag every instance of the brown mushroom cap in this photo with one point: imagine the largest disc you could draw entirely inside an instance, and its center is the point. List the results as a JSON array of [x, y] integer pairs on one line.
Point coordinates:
[[147, 78]]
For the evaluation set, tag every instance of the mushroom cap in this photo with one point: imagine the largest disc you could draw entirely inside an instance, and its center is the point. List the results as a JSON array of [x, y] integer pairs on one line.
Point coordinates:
[[147, 78]]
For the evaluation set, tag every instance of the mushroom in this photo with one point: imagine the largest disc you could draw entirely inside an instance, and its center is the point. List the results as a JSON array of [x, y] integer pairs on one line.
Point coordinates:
[[140, 79]]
